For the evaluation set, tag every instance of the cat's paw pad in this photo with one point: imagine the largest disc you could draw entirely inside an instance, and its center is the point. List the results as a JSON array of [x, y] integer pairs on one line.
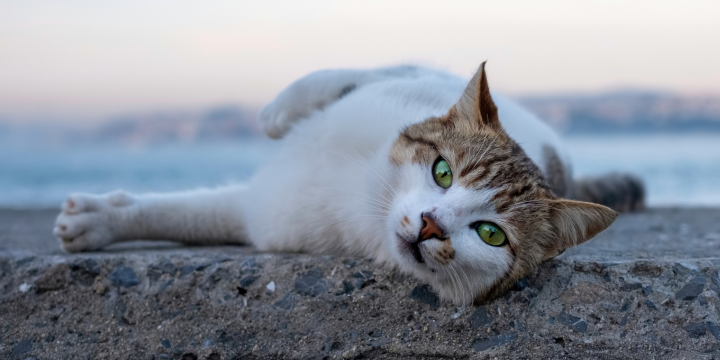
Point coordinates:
[[89, 222]]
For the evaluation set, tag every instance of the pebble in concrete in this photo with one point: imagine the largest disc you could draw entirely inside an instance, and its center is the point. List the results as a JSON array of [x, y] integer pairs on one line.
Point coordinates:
[[425, 294], [631, 287], [22, 347], [715, 281], [85, 271], [286, 303], [312, 283], [124, 276], [692, 289], [479, 318], [186, 269], [365, 279], [695, 330], [575, 322], [248, 280], [53, 278], [363, 274], [487, 343], [713, 329], [347, 288]]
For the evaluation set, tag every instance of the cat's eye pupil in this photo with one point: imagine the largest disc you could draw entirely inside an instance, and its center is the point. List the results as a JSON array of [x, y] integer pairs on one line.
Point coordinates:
[[441, 173], [491, 234]]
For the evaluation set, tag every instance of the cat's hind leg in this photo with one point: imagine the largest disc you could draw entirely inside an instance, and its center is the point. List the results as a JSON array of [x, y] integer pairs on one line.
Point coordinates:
[[90, 222]]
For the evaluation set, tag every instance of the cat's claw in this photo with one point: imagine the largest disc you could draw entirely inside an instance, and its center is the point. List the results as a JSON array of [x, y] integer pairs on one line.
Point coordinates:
[[89, 222]]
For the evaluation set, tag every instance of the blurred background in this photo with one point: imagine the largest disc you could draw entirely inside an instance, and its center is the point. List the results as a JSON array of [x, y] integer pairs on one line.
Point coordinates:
[[161, 95]]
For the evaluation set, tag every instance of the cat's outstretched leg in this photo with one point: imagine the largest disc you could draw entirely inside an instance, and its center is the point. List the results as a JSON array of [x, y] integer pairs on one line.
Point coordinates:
[[89, 222], [317, 90]]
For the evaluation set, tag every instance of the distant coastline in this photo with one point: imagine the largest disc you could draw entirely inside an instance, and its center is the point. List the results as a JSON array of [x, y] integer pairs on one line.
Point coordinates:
[[627, 112], [607, 113]]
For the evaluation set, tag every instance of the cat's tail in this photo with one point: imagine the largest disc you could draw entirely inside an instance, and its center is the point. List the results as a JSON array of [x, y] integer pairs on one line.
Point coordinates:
[[620, 192]]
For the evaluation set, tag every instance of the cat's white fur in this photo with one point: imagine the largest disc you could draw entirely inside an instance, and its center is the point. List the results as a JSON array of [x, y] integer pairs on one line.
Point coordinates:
[[331, 187]]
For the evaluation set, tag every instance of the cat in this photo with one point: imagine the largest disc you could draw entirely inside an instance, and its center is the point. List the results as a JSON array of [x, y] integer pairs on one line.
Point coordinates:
[[413, 167]]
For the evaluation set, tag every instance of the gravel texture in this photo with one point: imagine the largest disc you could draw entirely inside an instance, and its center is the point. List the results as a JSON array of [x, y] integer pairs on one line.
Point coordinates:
[[646, 288]]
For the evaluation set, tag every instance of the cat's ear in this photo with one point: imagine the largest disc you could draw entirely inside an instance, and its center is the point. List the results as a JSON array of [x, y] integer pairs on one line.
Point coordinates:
[[476, 102], [576, 222]]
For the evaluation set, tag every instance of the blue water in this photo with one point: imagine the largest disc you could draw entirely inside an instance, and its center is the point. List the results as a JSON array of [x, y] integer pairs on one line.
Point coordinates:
[[40, 176], [678, 170]]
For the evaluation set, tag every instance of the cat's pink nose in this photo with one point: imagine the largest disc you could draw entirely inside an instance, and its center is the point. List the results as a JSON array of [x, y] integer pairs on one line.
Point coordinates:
[[430, 229]]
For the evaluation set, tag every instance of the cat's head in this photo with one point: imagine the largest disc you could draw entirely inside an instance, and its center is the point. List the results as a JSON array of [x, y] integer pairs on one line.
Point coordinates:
[[473, 214]]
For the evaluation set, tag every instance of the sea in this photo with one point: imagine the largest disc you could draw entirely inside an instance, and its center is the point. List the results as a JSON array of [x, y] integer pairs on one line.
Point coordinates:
[[678, 170]]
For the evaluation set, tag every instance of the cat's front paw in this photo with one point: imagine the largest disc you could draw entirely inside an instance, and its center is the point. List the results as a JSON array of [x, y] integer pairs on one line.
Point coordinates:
[[275, 123], [89, 222]]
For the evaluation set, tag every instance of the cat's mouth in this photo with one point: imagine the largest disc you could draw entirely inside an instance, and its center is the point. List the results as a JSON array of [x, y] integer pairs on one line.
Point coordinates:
[[411, 248]]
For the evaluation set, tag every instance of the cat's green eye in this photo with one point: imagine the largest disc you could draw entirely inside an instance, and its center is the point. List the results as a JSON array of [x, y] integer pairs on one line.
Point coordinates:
[[491, 234], [442, 174]]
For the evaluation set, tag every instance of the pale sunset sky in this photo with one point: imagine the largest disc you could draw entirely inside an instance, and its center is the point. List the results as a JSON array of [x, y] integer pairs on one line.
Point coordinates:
[[84, 61]]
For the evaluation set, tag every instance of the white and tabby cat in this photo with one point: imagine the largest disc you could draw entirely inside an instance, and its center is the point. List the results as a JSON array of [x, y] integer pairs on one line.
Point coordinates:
[[410, 166]]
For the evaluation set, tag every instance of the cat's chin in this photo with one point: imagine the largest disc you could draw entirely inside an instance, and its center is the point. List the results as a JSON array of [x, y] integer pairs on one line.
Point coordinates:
[[452, 288], [449, 287], [413, 259]]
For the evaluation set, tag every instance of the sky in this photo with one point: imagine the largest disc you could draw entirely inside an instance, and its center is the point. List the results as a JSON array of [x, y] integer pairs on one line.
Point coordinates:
[[84, 61]]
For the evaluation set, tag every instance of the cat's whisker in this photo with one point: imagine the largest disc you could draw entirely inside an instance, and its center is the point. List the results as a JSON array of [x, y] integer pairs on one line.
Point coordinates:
[[528, 201], [349, 218], [461, 289], [467, 279], [384, 198], [364, 196], [479, 148], [373, 190], [486, 150], [456, 283], [537, 203], [546, 206], [449, 275], [465, 289]]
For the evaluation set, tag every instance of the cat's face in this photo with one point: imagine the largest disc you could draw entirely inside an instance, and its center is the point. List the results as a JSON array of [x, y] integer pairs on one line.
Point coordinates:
[[473, 214]]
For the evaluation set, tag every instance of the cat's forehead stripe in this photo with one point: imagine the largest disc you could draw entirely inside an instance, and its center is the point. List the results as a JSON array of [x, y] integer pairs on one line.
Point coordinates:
[[419, 140]]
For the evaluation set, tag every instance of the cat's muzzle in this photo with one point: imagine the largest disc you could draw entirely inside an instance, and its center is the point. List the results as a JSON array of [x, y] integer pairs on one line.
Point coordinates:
[[411, 247]]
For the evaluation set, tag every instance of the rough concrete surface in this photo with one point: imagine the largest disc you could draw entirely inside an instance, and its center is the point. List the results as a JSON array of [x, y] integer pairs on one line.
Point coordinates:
[[646, 288]]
